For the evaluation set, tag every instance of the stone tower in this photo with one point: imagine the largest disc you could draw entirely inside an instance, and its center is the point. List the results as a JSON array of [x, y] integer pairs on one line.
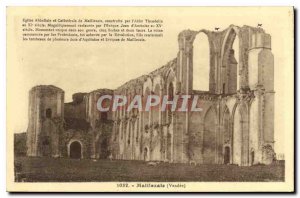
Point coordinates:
[[261, 83], [46, 107]]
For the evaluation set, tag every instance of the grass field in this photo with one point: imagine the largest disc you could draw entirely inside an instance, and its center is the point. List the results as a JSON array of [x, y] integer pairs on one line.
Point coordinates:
[[72, 170]]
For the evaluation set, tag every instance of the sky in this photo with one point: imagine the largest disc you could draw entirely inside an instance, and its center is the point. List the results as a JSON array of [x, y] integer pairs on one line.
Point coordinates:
[[83, 67]]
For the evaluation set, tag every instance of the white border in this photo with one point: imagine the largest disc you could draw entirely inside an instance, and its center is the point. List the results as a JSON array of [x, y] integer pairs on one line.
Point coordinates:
[[5, 3]]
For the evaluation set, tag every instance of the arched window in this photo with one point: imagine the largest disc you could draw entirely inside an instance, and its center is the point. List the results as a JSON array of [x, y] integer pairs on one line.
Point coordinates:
[[48, 113], [201, 63]]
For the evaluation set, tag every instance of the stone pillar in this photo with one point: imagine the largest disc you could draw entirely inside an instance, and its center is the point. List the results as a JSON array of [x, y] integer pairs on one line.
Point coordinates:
[[184, 75], [185, 61], [261, 81]]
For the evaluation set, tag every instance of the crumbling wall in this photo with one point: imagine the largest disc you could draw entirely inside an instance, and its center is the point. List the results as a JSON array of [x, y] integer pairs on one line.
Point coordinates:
[[46, 112]]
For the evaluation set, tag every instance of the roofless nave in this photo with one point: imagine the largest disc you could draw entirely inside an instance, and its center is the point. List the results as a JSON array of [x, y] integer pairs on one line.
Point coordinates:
[[232, 73]]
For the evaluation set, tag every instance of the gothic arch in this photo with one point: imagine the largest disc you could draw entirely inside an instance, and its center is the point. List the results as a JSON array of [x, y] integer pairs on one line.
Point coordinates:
[[148, 84], [229, 72], [170, 76], [210, 137], [225, 143], [206, 108], [147, 90], [170, 81], [157, 80], [201, 62], [224, 112], [240, 135], [229, 37], [156, 111], [210, 39]]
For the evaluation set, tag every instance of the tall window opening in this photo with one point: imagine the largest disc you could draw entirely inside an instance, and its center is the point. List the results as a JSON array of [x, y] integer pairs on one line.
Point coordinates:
[[201, 63]]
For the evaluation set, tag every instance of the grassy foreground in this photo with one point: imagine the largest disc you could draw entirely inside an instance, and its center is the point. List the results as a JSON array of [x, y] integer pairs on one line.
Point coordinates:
[[72, 170]]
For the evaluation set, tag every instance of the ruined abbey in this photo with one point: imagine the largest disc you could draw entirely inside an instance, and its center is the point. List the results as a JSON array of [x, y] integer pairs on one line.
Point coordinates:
[[235, 126]]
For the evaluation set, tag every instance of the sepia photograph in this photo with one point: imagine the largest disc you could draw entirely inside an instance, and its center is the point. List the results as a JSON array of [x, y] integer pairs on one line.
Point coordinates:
[[144, 99]]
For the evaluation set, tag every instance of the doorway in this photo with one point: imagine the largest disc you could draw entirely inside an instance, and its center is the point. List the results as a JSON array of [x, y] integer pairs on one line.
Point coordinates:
[[146, 154], [252, 158], [75, 150], [227, 155]]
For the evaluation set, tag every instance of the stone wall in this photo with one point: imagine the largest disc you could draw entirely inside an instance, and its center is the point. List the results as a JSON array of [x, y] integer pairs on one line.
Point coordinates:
[[236, 124], [237, 121], [46, 113]]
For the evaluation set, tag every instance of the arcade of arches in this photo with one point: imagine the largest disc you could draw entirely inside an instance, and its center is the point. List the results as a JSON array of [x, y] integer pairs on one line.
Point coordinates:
[[230, 71], [226, 70]]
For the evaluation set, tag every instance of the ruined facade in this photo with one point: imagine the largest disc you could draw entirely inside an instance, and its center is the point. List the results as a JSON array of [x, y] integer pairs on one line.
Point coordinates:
[[76, 129], [235, 126]]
